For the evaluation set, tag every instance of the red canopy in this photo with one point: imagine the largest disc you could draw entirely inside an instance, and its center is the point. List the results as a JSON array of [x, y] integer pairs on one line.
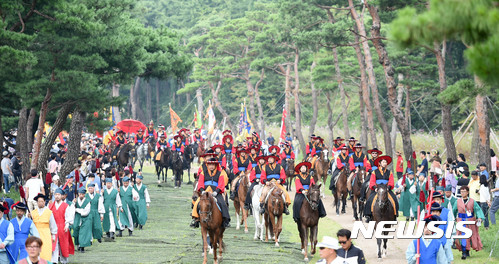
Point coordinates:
[[130, 126]]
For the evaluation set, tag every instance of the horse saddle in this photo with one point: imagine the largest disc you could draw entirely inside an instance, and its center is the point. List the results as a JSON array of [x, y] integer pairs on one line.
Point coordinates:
[[392, 202], [158, 156]]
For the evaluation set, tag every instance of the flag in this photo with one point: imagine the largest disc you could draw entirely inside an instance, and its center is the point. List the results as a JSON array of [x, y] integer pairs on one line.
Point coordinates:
[[61, 138], [211, 119], [241, 120], [198, 123], [248, 124], [282, 137], [174, 120]]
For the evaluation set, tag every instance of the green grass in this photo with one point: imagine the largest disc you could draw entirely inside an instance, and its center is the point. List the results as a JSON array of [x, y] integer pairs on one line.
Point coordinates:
[[167, 237]]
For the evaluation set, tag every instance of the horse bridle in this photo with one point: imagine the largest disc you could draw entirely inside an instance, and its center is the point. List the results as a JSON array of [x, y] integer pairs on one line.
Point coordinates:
[[313, 204], [207, 213]]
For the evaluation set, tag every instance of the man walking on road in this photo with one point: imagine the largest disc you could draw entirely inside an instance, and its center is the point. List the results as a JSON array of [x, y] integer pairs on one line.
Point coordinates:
[[351, 253]]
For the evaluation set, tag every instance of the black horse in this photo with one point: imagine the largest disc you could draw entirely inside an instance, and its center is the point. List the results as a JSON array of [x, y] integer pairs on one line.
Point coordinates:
[[124, 155], [162, 164], [189, 155], [383, 210], [177, 167]]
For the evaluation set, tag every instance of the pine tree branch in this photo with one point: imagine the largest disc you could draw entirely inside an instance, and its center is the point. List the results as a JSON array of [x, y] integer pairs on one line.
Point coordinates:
[[43, 15]]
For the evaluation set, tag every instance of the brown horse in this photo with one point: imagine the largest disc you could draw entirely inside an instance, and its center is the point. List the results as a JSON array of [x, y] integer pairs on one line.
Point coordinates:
[[359, 179], [200, 151], [275, 208], [290, 173], [210, 218], [239, 202], [382, 211], [309, 220], [341, 192], [321, 167]]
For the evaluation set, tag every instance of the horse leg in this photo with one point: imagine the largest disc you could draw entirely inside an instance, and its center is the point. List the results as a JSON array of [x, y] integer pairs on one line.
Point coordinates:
[[214, 245], [378, 240], [267, 227], [238, 210], [344, 200], [279, 230], [305, 244], [337, 201], [189, 175], [313, 238], [354, 207], [384, 246], [220, 245], [245, 216], [205, 245]]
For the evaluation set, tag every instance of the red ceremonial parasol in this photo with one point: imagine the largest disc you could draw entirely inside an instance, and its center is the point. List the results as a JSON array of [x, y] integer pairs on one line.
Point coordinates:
[[130, 126]]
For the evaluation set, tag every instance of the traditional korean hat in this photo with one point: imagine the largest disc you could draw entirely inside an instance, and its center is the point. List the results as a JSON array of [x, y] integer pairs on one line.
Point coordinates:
[[378, 160], [375, 150], [274, 147], [305, 163]]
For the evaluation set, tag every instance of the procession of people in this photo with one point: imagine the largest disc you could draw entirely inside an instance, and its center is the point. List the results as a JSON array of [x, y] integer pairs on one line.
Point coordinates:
[[100, 198]]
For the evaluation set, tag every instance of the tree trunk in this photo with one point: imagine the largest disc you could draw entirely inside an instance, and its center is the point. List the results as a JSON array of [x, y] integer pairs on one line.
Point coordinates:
[[391, 85], [446, 109], [199, 97], [287, 95], [408, 106], [116, 109], [261, 118], [22, 141], [74, 140], [148, 102], [214, 94], [59, 123], [365, 90], [251, 96], [400, 94], [297, 103], [330, 125], [39, 133], [133, 97], [315, 106], [363, 122], [29, 128], [339, 79], [482, 118], [158, 107]]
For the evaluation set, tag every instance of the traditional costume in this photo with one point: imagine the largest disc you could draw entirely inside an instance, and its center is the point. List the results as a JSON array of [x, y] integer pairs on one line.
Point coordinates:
[[127, 211], [142, 203], [47, 228], [112, 203], [82, 225], [22, 229], [63, 215]]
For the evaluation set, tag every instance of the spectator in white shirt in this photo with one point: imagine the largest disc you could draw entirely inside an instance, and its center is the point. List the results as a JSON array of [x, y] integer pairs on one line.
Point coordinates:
[[33, 187]]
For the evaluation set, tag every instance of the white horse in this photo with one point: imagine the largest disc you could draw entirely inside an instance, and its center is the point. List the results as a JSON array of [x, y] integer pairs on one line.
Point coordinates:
[[141, 154], [259, 219]]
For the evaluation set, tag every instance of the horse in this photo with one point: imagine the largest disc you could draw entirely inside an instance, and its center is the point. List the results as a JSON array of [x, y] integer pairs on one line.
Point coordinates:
[[321, 167], [341, 192], [177, 167], [124, 155], [189, 155], [142, 154], [210, 218], [150, 149], [255, 206], [382, 211], [239, 202], [290, 173], [309, 220], [275, 208], [162, 164], [359, 179]]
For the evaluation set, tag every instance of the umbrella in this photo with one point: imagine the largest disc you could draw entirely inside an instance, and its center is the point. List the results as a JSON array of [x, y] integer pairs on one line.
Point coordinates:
[[130, 126]]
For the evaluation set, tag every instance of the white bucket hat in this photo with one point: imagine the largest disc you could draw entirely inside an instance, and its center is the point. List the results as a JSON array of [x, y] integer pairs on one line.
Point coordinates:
[[329, 242]]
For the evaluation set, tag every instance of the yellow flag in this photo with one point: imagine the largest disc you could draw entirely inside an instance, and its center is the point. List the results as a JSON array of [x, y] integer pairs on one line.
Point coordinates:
[[174, 120]]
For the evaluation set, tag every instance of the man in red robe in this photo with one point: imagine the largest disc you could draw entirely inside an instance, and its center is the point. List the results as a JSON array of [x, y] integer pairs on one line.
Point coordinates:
[[63, 214]]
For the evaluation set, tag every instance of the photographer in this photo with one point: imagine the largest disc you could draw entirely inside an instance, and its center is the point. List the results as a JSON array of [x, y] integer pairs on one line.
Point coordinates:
[[450, 174]]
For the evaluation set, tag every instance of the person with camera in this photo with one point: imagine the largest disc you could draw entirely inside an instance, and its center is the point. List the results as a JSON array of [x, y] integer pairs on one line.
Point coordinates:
[[450, 174]]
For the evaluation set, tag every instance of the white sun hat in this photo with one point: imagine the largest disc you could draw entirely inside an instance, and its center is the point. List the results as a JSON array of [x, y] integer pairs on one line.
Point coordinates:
[[329, 242]]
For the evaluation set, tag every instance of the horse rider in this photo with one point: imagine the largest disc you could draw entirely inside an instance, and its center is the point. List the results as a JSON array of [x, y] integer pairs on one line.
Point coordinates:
[[255, 140], [254, 152], [228, 148], [151, 132], [206, 156], [185, 138], [254, 178], [119, 141], [287, 153], [161, 130], [358, 159], [139, 138], [196, 137], [161, 144], [338, 144], [310, 146], [381, 175], [275, 150], [240, 163], [212, 180], [178, 145], [227, 132], [351, 145], [341, 162], [318, 147], [303, 182], [273, 172], [222, 160], [375, 153]]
